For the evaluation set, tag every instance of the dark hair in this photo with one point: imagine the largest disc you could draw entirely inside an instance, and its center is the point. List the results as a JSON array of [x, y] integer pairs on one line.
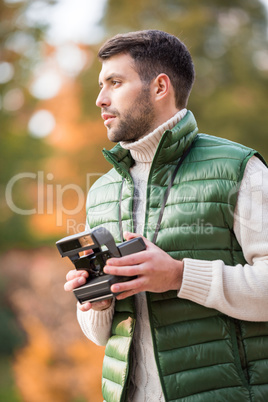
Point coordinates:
[[155, 52]]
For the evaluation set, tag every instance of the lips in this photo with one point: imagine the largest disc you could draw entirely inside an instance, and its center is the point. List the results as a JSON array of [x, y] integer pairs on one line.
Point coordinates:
[[108, 118]]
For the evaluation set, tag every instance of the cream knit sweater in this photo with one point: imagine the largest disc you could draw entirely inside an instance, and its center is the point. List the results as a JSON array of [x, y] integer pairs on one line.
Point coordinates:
[[241, 292]]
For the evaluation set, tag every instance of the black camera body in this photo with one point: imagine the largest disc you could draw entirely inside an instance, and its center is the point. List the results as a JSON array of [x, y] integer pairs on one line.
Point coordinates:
[[98, 285]]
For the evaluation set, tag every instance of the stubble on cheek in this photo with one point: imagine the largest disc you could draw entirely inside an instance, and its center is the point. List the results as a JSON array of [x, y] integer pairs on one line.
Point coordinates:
[[135, 122]]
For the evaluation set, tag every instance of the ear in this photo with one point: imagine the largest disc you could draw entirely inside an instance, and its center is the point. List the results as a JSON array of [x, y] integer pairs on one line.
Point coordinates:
[[161, 86]]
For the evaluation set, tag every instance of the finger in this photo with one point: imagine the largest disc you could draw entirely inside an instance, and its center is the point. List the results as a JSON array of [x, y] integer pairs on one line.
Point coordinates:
[[131, 235], [131, 259], [71, 275], [102, 305], [75, 283], [84, 307], [124, 295], [128, 270], [132, 285], [75, 274], [99, 306]]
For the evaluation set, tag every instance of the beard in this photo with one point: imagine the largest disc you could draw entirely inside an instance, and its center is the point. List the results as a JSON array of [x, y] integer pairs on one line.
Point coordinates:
[[136, 122]]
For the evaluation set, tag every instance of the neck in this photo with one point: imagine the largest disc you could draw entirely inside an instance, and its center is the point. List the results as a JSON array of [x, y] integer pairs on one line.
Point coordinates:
[[143, 150]]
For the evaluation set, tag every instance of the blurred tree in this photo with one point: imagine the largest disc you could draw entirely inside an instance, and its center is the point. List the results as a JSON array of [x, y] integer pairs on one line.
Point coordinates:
[[58, 363], [18, 152], [12, 337], [28, 212], [228, 42], [11, 334], [28, 167], [19, 52]]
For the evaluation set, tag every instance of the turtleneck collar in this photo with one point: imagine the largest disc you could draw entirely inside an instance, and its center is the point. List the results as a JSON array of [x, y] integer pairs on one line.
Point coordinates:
[[144, 149]]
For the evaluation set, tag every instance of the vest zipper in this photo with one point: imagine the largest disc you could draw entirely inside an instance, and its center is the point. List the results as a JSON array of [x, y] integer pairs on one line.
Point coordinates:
[[241, 350], [240, 354]]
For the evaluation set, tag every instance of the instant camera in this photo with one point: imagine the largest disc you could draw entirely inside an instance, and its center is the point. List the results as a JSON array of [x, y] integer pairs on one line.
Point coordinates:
[[98, 285]]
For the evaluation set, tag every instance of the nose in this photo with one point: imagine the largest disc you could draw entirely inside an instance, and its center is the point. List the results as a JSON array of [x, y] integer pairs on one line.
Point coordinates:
[[103, 100]]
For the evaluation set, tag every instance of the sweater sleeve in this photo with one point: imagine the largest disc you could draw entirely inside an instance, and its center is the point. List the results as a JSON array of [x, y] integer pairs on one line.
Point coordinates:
[[241, 291], [96, 325]]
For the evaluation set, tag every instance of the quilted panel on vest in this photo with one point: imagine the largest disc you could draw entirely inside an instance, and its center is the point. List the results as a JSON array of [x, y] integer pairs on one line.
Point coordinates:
[[192, 343]]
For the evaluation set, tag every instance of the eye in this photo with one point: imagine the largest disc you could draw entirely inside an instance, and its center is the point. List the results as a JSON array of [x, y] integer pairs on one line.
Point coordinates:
[[115, 83]]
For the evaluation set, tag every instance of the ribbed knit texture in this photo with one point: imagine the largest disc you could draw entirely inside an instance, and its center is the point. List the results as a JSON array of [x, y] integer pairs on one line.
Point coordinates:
[[100, 322], [213, 284]]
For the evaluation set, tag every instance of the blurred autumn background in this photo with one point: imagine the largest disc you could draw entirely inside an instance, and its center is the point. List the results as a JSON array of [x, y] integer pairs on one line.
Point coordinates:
[[51, 141]]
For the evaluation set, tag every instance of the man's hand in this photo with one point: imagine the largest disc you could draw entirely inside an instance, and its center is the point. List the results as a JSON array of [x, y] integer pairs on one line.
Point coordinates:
[[156, 271], [77, 278]]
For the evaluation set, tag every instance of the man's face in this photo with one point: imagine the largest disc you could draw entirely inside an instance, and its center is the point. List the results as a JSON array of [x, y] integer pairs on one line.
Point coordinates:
[[125, 101]]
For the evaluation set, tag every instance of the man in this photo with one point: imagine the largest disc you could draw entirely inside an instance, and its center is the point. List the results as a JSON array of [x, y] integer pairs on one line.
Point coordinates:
[[196, 327]]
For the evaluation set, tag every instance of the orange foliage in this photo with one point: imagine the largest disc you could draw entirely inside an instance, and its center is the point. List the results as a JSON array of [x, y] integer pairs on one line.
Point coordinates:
[[74, 140], [45, 373], [71, 132], [58, 363]]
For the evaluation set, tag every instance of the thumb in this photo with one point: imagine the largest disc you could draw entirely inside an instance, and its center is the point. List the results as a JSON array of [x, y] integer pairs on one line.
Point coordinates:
[[130, 235]]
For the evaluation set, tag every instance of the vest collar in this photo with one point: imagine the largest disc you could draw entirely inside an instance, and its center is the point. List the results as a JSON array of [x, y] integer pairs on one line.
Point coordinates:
[[170, 148]]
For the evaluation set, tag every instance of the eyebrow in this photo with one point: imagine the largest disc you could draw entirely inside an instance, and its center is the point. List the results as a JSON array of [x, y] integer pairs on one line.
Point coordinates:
[[110, 77]]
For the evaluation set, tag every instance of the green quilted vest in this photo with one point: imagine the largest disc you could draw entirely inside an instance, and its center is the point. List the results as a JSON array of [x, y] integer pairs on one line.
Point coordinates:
[[202, 355]]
